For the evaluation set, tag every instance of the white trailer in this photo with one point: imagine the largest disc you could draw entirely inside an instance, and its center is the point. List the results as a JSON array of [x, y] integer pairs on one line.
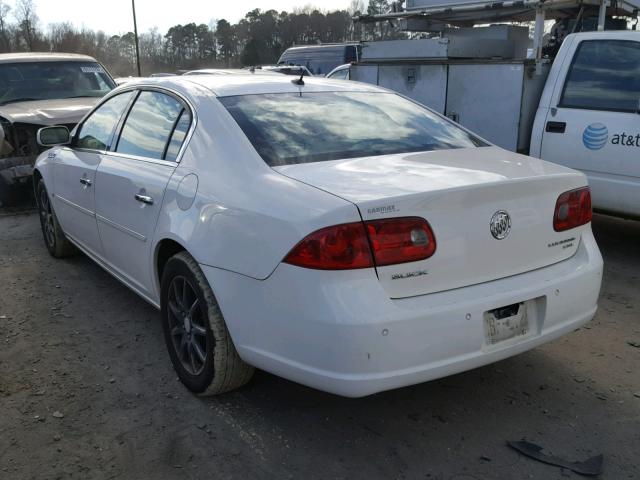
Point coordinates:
[[465, 77]]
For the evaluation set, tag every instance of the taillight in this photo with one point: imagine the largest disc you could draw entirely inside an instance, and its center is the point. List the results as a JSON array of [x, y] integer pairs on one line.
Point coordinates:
[[357, 245], [340, 247], [573, 209], [400, 240]]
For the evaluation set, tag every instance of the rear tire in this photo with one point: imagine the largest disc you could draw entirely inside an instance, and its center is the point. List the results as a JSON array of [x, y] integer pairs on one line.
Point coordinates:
[[195, 332], [54, 238]]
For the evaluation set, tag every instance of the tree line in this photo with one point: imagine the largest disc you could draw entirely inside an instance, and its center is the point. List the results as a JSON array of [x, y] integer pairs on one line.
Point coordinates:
[[258, 38]]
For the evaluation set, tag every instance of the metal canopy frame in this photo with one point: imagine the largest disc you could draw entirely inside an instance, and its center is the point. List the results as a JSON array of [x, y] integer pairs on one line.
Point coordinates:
[[469, 14]]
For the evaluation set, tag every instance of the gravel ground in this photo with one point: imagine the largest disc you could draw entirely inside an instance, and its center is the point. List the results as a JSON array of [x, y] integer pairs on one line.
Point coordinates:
[[87, 391]]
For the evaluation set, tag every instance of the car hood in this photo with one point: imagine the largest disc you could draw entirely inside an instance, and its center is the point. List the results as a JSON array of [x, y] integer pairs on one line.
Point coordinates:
[[48, 112]]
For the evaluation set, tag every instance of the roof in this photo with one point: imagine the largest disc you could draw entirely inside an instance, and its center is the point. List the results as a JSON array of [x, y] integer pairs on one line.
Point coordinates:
[[609, 34], [243, 84], [227, 71], [319, 46], [43, 57]]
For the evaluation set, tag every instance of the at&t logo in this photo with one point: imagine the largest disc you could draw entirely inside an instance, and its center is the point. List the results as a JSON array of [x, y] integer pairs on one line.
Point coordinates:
[[595, 136]]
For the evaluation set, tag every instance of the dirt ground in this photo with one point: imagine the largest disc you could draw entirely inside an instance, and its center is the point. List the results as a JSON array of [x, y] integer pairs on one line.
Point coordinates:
[[87, 392]]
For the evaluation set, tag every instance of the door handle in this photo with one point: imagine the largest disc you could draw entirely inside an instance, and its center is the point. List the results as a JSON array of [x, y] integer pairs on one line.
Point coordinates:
[[86, 182], [144, 198], [556, 127]]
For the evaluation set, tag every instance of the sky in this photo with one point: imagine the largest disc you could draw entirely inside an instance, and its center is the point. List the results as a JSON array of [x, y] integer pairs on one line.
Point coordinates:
[[114, 16]]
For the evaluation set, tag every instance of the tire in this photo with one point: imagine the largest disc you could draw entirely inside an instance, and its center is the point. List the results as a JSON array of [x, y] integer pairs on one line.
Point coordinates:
[[7, 193], [199, 344], [57, 244]]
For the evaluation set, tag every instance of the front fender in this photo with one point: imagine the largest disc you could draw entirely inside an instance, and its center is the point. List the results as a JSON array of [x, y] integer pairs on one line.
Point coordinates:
[[44, 168]]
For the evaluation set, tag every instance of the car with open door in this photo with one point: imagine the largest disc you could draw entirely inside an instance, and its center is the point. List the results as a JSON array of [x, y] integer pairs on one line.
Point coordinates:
[[370, 245]]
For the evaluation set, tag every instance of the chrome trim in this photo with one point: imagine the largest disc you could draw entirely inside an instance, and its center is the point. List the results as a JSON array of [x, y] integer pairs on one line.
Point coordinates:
[[86, 211], [144, 198], [123, 229], [168, 163]]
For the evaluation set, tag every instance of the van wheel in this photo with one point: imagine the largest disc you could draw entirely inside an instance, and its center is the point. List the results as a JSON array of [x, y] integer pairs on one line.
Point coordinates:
[[54, 238], [195, 332]]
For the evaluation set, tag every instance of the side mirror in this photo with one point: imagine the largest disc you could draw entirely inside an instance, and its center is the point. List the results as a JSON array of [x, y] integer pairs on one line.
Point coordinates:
[[52, 136]]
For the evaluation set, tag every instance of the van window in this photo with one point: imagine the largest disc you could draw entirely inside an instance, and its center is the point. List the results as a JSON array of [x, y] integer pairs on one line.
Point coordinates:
[[605, 75], [319, 60]]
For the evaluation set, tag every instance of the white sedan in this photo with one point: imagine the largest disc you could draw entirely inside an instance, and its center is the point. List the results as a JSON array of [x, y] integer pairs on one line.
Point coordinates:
[[330, 232]]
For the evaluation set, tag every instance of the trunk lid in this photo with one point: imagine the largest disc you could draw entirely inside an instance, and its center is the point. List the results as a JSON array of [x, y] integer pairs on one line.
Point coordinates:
[[457, 192]]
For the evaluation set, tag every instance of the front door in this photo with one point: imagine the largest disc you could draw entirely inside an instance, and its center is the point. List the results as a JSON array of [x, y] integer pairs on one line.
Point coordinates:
[[74, 173], [131, 182], [596, 126]]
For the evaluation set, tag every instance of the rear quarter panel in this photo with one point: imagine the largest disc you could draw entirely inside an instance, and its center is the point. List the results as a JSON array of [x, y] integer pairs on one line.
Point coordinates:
[[242, 216]]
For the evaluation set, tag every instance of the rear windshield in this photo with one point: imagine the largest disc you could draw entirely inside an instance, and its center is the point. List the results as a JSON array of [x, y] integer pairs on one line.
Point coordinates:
[[24, 81], [287, 128]]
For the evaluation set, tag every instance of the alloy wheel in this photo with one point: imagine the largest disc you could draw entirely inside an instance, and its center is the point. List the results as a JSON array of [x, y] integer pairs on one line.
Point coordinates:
[[46, 218], [187, 325]]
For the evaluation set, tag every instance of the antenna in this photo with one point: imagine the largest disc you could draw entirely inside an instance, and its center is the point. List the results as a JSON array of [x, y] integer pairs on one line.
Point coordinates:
[[299, 81]]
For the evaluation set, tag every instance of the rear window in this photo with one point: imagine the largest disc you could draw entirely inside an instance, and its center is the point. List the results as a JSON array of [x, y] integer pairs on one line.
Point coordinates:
[[287, 128]]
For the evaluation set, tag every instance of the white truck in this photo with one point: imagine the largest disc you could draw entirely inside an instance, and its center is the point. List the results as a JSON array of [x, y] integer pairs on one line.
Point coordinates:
[[588, 116], [581, 109]]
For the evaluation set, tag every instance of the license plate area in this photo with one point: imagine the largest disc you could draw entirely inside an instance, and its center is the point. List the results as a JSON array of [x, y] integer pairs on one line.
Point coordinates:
[[509, 322]]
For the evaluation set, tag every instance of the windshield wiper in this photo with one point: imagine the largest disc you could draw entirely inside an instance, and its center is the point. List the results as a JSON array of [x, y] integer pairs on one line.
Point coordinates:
[[23, 99]]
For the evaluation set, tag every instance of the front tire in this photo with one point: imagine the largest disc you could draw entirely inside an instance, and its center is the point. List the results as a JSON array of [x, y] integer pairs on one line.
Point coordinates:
[[7, 193], [195, 332], [54, 238]]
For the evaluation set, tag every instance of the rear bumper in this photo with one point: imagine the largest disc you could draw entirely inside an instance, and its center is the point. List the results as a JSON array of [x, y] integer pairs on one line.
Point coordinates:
[[340, 332]]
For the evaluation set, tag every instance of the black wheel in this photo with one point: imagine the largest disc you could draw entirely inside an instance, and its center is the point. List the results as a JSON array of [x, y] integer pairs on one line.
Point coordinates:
[[54, 238], [7, 193], [196, 335]]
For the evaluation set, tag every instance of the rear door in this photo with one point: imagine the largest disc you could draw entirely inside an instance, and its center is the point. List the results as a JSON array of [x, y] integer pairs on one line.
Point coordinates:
[[74, 173], [131, 182], [594, 125]]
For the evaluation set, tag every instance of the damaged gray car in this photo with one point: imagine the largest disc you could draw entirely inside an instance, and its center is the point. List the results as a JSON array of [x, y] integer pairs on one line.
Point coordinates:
[[37, 90]]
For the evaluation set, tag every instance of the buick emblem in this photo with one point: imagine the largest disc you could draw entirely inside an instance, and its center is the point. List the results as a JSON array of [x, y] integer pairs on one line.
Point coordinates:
[[500, 225]]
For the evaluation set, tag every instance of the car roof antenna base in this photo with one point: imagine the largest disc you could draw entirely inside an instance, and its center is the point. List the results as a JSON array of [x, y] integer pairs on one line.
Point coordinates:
[[298, 81]]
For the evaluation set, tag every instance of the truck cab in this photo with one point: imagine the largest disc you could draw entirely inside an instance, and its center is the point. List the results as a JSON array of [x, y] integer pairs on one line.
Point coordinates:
[[588, 117]]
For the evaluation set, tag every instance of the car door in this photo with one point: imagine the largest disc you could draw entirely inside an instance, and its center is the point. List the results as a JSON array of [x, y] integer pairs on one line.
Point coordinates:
[[594, 125], [75, 168], [131, 181]]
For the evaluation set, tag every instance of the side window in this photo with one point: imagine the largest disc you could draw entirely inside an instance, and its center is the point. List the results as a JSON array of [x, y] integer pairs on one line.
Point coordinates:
[[178, 135], [97, 130], [605, 75], [149, 125], [341, 74]]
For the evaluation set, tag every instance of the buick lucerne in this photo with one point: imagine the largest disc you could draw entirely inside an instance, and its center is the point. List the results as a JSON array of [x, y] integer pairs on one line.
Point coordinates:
[[332, 233]]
